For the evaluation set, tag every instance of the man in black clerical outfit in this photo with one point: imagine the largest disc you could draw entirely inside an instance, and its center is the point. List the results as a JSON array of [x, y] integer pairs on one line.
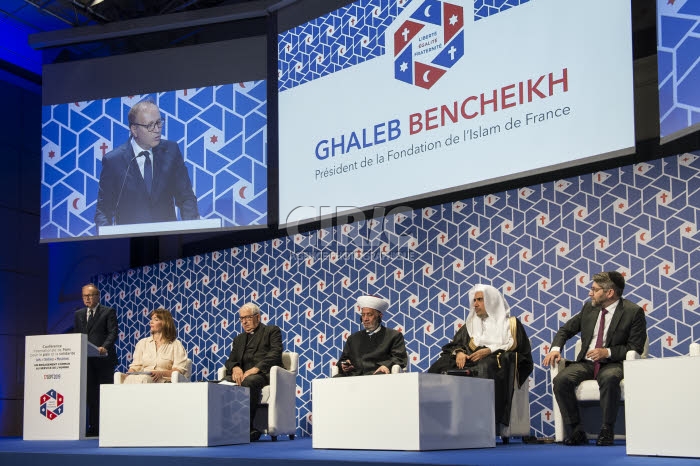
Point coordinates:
[[100, 324], [254, 353], [610, 326], [492, 345], [375, 349]]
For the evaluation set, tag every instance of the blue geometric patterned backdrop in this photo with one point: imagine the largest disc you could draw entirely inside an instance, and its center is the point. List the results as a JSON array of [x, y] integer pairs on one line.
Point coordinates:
[[349, 36], [539, 245], [222, 134], [678, 49]]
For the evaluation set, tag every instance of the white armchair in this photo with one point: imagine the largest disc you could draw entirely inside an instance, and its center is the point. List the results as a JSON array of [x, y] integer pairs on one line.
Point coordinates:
[[395, 369], [588, 395], [519, 414], [276, 414], [176, 377], [694, 349]]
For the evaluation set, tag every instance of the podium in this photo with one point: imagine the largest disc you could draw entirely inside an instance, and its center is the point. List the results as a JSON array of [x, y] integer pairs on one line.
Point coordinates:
[[204, 224], [55, 379]]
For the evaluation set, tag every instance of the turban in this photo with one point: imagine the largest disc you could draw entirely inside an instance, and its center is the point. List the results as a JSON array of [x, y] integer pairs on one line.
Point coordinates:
[[373, 302]]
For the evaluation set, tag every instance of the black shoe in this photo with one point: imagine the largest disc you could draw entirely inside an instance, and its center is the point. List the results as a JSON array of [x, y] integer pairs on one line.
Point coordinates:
[[254, 435], [606, 437], [575, 439]]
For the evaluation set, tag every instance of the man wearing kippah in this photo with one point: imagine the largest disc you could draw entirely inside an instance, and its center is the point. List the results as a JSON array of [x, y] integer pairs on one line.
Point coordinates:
[[609, 326], [375, 349]]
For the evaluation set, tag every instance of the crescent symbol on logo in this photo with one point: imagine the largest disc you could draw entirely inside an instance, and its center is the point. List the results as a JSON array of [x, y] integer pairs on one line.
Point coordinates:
[[241, 192], [580, 213], [75, 203], [641, 237], [580, 279], [427, 11], [425, 76]]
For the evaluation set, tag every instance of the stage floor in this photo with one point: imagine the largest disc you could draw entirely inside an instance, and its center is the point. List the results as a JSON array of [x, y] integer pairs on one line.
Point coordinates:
[[15, 451]]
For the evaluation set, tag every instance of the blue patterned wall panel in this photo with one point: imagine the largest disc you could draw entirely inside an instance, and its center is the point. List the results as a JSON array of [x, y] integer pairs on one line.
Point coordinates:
[[539, 245], [678, 50]]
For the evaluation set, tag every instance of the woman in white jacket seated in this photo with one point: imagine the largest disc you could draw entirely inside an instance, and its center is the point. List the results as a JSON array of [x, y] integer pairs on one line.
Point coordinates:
[[158, 355]]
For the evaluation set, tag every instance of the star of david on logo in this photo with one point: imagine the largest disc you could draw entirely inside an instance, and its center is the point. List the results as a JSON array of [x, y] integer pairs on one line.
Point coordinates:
[[429, 43], [51, 404]]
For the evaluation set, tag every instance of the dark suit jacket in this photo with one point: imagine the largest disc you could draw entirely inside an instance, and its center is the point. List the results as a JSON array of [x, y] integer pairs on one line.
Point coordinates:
[[267, 346], [171, 186], [627, 331], [101, 331]]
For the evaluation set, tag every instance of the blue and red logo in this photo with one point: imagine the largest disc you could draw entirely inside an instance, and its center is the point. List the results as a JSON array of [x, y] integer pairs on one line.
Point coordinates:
[[51, 405], [429, 43]]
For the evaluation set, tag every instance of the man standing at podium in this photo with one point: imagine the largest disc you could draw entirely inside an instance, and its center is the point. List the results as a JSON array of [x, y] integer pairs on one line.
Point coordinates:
[[100, 324], [145, 178]]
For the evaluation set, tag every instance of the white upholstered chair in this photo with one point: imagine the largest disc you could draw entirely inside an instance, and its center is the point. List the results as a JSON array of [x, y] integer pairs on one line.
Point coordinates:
[[277, 412], [694, 349], [176, 377], [588, 395], [519, 414]]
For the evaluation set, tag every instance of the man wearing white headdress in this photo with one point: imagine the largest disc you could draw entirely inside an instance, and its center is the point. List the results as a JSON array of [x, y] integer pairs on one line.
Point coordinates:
[[375, 349], [492, 345]]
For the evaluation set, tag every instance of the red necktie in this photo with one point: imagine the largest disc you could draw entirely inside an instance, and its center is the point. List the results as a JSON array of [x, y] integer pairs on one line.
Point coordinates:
[[599, 340]]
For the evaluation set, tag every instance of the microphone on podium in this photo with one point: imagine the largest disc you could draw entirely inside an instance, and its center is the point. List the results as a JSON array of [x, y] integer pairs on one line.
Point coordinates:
[[119, 197]]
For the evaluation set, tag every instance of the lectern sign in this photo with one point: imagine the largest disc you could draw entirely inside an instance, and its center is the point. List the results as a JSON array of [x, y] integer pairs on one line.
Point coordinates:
[[54, 387]]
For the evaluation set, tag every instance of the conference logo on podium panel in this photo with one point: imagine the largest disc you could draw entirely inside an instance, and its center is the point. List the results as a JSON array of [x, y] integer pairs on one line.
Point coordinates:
[[428, 43], [51, 404]]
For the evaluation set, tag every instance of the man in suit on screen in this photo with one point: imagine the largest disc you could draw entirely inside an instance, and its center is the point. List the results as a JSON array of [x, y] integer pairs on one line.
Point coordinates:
[[609, 326], [253, 354], [144, 179], [100, 324]]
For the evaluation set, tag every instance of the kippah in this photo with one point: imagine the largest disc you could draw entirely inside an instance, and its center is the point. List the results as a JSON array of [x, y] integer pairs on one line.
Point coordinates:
[[618, 279]]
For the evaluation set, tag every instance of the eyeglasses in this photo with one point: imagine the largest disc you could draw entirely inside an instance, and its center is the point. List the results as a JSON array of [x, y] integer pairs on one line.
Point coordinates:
[[159, 123], [86, 296], [595, 289], [244, 318]]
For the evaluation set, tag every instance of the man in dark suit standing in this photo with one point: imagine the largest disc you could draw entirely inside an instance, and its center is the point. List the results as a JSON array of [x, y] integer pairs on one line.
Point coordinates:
[[254, 353], [609, 326], [100, 324], [144, 179]]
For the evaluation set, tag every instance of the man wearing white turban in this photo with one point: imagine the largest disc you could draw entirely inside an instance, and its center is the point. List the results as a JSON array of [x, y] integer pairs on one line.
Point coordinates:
[[492, 345], [375, 349]]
